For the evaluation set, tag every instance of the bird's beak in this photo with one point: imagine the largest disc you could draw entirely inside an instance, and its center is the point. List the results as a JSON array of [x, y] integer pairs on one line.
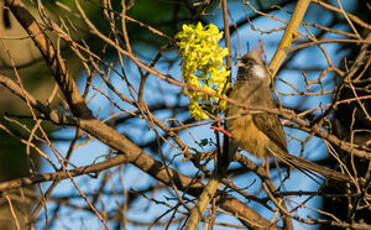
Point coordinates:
[[239, 62]]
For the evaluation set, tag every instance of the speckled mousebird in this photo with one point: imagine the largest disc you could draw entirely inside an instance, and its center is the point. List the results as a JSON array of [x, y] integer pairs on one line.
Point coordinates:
[[260, 132]]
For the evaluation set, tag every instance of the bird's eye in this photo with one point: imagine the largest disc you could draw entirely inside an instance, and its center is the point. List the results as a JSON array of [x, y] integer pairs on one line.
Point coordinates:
[[249, 63]]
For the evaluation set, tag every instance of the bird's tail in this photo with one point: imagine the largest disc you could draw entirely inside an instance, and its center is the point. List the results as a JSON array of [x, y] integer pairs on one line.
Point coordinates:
[[226, 156], [308, 166]]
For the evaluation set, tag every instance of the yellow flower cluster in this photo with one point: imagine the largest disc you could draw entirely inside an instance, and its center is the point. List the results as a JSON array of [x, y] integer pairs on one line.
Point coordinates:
[[203, 67]]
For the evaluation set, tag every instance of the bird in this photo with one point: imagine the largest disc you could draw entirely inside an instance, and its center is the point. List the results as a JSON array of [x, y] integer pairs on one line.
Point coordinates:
[[260, 132]]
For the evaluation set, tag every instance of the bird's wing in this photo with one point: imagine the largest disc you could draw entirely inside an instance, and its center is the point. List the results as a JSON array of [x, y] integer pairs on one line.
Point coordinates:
[[271, 126]]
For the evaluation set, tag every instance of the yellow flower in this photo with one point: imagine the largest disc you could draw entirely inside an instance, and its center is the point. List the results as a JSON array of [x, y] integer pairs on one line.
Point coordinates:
[[202, 65], [196, 112]]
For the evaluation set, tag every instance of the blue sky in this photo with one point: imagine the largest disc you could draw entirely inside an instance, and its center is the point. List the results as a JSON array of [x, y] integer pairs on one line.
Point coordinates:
[[135, 179]]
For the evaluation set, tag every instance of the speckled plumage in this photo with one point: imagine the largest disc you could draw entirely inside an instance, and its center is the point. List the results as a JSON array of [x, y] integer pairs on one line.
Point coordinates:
[[254, 131], [259, 132]]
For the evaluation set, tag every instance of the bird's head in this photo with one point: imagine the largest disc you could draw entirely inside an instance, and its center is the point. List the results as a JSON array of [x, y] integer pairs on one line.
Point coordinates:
[[251, 67]]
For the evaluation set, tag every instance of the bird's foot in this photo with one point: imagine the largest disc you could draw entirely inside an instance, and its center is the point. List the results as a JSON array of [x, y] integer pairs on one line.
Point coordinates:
[[220, 129]]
